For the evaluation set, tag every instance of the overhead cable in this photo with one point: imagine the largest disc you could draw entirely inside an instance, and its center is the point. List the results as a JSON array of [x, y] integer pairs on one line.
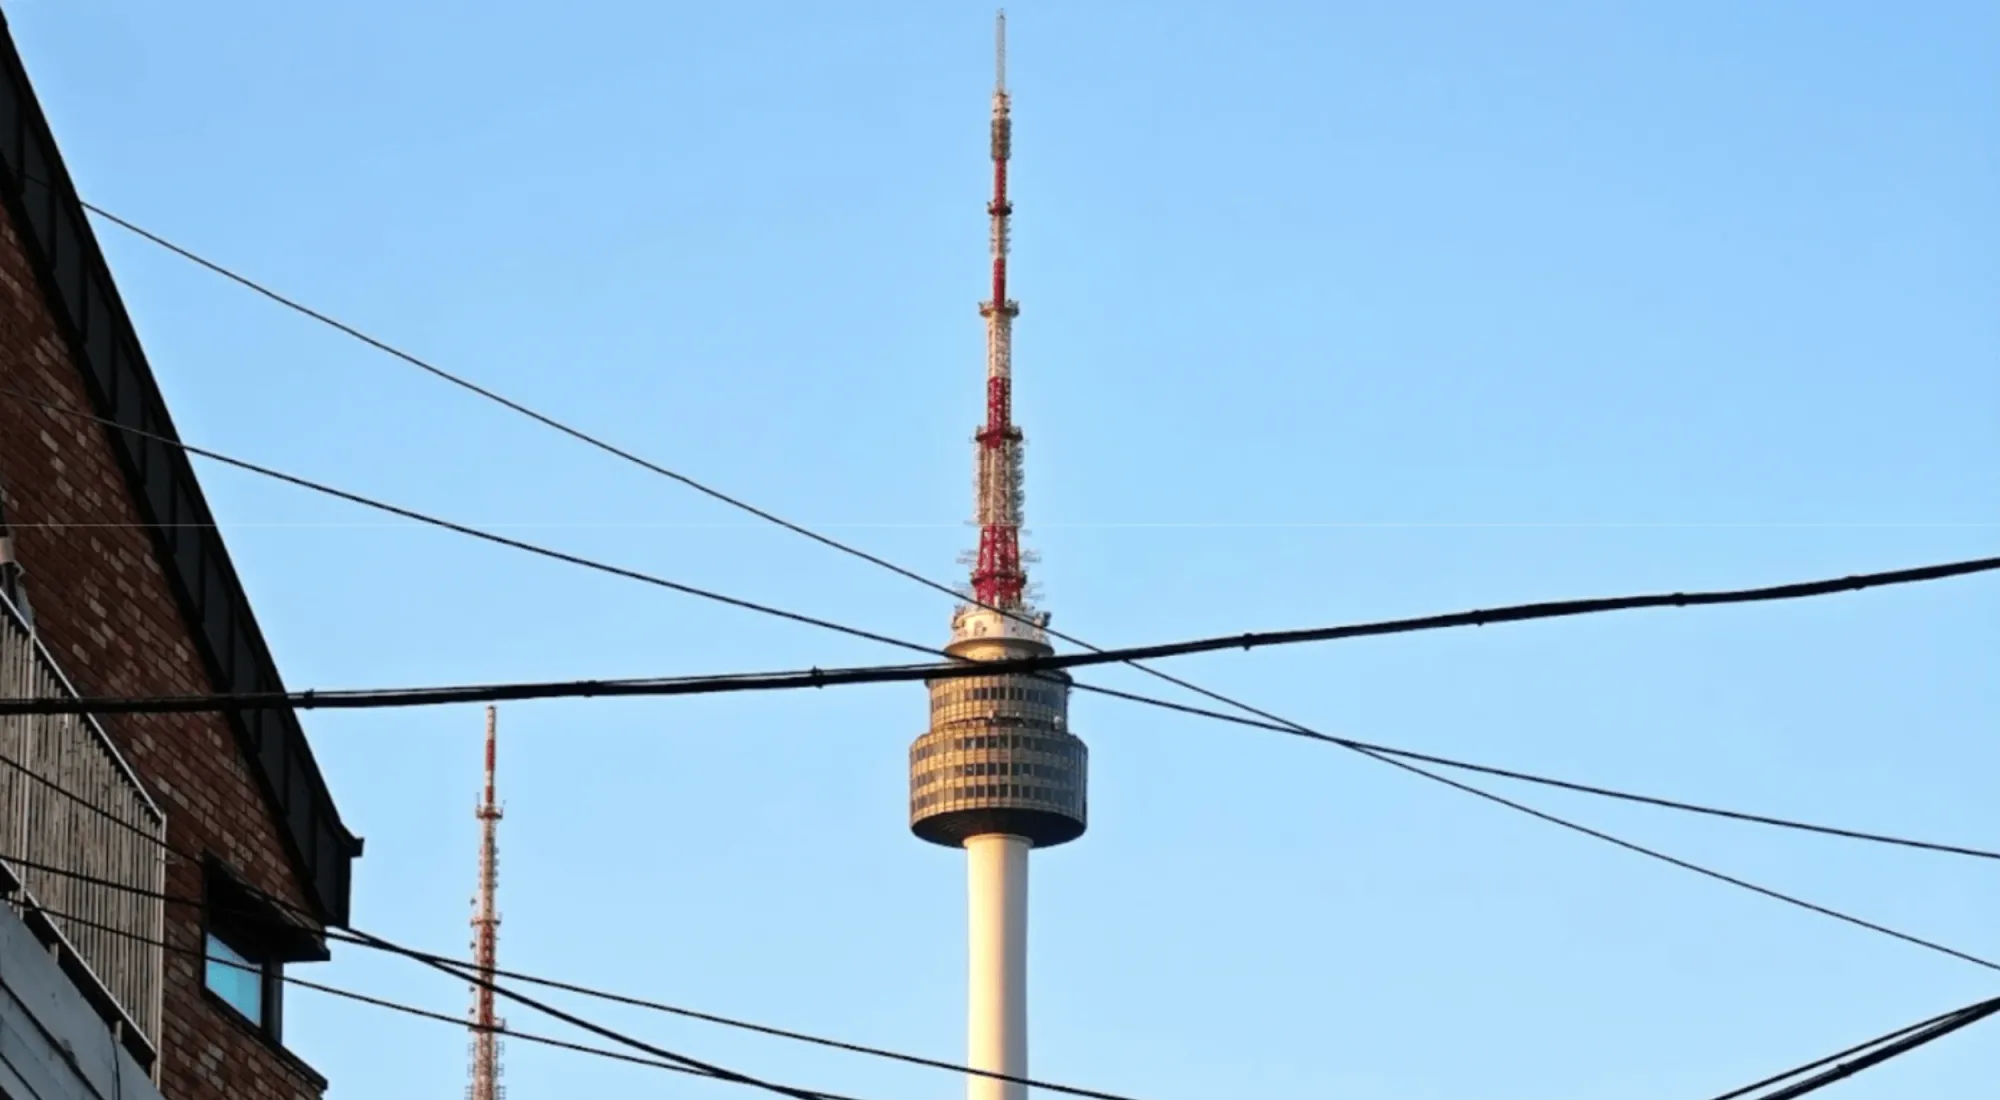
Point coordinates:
[[1879, 1050], [749, 680], [378, 943], [816, 678], [362, 939], [466, 529], [874, 674], [394, 1006], [656, 468], [1591, 789], [1650, 853]]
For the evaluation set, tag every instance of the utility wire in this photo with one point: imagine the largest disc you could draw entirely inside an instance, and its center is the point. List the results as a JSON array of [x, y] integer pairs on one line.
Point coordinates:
[[467, 530], [1559, 784], [821, 678], [378, 943], [466, 972], [362, 939], [366, 941], [541, 418], [959, 669], [739, 1025], [616, 451], [1548, 609], [817, 678], [1880, 1049], [393, 1006], [1910, 1036], [1134, 661], [706, 1068], [955, 669], [1846, 918], [1919, 1033], [814, 678]]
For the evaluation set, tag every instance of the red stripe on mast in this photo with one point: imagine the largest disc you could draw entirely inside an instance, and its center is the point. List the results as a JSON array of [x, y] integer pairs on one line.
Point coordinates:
[[998, 578]]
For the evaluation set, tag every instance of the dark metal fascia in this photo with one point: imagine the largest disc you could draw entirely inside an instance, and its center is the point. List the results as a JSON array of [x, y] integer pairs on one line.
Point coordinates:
[[77, 283]]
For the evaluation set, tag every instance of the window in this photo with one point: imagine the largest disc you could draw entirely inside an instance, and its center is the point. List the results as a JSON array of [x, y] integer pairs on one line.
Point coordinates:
[[246, 941], [237, 979]]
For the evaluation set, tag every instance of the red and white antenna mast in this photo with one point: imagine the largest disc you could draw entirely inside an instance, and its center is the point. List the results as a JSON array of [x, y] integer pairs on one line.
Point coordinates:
[[999, 578], [486, 1024]]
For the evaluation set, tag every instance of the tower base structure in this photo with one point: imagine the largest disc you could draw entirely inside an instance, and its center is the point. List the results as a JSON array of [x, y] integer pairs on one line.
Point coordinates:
[[997, 980]]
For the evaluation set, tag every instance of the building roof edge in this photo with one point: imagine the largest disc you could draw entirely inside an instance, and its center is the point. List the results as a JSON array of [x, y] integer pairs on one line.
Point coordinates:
[[77, 284]]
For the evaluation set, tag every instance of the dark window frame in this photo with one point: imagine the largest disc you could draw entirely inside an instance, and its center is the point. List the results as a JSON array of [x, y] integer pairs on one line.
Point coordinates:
[[248, 923], [270, 1017]]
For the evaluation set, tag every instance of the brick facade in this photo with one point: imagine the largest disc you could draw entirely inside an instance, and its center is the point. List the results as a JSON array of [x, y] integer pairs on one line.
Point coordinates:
[[104, 607]]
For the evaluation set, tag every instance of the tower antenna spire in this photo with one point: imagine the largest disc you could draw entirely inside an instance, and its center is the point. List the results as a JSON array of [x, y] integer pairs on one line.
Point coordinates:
[[998, 579], [485, 1067]]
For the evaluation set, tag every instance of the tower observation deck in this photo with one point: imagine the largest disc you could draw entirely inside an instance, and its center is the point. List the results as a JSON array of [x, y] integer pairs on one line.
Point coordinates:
[[999, 757]]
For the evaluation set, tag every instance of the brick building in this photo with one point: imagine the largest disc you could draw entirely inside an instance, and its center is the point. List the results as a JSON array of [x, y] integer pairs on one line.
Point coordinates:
[[114, 581]]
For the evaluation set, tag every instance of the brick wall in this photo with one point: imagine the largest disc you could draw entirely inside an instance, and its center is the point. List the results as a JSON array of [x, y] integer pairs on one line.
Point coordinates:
[[104, 607]]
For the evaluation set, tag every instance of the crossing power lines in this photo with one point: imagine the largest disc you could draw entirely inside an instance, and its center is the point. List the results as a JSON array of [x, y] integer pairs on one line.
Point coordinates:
[[1789, 1084], [820, 678], [459, 969], [1132, 657]]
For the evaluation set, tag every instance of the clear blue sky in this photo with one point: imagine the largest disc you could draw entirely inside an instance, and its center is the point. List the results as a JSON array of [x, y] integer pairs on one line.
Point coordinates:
[[1330, 311]]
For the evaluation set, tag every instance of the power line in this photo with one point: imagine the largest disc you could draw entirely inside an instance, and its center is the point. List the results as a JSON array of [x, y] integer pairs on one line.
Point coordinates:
[[362, 939], [1880, 1049], [378, 943], [795, 679], [739, 1025], [1813, 907], [819, 678], [471, 532], [1560, 784], [1548, 609], [1918, 1033], [737, 503], [707, 1068], [394, 1006], [875, 674], [1285, 724], [815, 678], [515, 406], [1465, 619]]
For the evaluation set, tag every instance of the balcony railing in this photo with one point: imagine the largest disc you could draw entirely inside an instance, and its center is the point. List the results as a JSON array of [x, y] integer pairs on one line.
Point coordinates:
[[68, 801]]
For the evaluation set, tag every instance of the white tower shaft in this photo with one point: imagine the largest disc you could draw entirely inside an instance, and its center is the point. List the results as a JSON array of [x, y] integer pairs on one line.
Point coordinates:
[[997, 986]]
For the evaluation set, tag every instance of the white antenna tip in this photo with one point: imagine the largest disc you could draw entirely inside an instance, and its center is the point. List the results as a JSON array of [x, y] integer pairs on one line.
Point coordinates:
[[1000, 50]]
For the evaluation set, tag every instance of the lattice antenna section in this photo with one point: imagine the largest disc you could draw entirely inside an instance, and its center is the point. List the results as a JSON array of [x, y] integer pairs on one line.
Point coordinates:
[[998, 576], [486, 1024]]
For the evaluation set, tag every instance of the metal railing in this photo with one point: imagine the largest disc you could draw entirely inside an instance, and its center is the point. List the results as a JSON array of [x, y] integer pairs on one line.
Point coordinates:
[[44, 759]]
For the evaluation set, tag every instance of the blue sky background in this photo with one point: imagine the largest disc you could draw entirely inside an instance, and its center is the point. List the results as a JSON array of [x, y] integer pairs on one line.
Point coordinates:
[[1330, 311]]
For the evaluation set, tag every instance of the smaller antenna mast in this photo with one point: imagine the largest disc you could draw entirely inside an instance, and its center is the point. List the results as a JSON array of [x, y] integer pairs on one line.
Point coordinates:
[[486, 1025]]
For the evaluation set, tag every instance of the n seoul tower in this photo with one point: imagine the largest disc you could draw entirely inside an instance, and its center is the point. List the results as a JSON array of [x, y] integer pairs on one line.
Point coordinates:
[[999, 773]]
